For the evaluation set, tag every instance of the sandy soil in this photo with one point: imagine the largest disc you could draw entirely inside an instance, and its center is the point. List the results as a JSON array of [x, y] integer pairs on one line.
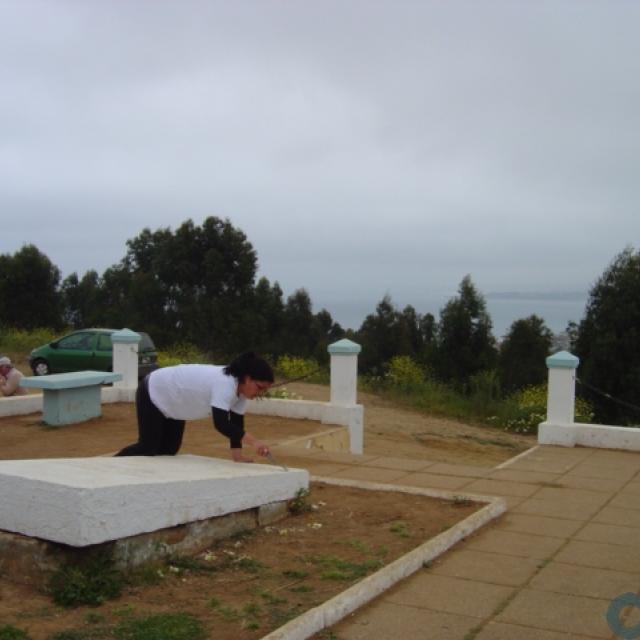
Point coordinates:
[[246, 586], [277, 572]]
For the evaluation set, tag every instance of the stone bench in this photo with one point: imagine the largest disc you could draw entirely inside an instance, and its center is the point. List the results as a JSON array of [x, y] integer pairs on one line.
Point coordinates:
[[88, 501], [70, 397]]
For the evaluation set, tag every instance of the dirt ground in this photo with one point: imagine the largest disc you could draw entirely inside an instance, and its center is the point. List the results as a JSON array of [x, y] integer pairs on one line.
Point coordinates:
[[245, 587], [389, 431]]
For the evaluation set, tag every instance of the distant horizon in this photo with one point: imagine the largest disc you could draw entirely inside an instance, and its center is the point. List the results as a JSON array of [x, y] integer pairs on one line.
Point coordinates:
[[503, 309]]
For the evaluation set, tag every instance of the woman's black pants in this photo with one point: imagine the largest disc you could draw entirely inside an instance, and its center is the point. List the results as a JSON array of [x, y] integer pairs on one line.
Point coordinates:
[[157, 435]]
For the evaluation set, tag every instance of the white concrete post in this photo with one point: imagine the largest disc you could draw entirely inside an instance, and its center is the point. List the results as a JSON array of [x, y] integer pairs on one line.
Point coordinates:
[[344, 390], [561, 392], [344, 372], [125, 357]]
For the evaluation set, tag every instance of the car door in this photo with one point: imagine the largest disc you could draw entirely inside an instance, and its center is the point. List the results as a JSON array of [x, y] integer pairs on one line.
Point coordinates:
[[103, 358], [75, 352]]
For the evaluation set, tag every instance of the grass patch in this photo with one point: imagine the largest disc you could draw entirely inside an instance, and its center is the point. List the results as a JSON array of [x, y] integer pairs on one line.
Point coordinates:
[[333, 568], [400, 529], [9, 632], [165, 626]]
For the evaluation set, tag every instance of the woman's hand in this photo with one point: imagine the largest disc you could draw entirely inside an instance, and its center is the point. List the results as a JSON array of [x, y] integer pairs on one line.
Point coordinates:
[[236, 455], [262, 449]]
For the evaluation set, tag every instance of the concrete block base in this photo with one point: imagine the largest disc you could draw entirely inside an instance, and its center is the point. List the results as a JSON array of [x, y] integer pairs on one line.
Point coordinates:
[[87, 501], [598, 436], [31, 561]]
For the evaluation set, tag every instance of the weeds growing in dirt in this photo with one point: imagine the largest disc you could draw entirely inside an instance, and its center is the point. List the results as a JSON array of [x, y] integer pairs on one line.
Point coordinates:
[[9, 632], [300, 503], [92, 583], [400, 528], [168, 626]]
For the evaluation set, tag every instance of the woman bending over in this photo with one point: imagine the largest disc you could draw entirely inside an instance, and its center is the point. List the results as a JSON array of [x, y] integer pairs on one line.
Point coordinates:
[[170, 396]]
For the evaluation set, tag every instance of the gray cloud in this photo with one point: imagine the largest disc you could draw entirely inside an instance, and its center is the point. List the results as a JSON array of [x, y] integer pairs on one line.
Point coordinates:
[[365, 147]]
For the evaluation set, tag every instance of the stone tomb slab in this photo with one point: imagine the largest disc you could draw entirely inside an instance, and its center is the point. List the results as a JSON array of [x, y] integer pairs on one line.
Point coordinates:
[[86, 501]]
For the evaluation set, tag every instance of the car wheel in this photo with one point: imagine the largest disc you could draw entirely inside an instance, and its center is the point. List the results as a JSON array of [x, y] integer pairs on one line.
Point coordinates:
[[40, 367]]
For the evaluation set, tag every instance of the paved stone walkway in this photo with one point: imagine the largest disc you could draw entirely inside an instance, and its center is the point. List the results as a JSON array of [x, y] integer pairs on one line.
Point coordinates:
[[546, 570]]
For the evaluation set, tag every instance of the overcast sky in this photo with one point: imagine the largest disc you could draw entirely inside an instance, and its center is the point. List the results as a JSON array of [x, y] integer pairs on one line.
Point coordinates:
[[365, 147]]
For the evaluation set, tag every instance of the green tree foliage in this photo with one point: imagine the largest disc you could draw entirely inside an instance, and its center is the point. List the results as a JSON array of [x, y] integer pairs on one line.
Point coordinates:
[[389, 332], [465, 343], [29, 295], [608, 340], [82, 303], [523, 352]]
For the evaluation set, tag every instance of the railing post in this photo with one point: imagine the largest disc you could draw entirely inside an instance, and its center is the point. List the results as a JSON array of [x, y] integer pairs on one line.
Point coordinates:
[[561, 392], [344, 390], [344, 372], [125, 357]]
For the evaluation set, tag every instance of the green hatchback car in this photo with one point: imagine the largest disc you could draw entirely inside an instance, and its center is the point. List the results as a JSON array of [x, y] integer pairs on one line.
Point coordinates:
[[88, 349]]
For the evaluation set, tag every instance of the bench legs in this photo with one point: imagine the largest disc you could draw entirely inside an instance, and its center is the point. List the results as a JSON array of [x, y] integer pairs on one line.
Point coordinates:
[[67, 406]]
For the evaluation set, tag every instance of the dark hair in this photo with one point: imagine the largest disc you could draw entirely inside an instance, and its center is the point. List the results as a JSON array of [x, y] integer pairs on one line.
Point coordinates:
[[252, 365]]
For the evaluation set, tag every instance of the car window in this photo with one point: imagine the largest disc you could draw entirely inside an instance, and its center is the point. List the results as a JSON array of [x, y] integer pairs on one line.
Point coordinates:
[[104, 342], [76, 341], [146, 344]]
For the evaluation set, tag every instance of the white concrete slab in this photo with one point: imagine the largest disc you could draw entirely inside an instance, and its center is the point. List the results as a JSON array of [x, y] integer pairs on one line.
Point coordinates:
[[84, 501]]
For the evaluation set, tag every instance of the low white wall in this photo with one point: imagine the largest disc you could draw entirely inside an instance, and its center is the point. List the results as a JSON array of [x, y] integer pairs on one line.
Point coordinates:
[[350, 416], [600, 436]]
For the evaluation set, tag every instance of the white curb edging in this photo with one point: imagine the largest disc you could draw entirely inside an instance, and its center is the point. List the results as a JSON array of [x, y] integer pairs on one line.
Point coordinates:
[[340, 606]]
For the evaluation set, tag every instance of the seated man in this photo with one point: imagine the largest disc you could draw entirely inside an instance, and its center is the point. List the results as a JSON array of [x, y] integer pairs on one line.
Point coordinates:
[[10, 379]]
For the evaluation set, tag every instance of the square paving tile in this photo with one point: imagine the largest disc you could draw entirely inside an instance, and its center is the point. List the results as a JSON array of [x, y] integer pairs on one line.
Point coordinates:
[[558, 612], [608, 533], [626, 501], [610, 472], [572, 496], [449, 595], [542, 466], [486, 567], [513, 501], [602, 556], [321, 469], [623, 517], [604, 485], [584, 581], [567, 511], [344, 457], [460, 470], [632, 487], [433, 481], [384, 620], [501, 631], [527, 477], [539, 525], [511, 543], [403, 464], [370, 474], [502, 488]]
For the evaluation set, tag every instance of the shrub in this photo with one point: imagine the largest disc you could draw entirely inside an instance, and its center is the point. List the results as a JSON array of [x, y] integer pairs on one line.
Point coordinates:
[[405, 373], [9, 632], [291, 367], [90, 583], [20, 341], [182, 353], [525, 410]]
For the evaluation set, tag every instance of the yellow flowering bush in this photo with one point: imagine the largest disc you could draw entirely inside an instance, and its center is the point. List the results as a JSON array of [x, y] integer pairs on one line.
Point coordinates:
[[404, 372], [527, 408], [295, 367]]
